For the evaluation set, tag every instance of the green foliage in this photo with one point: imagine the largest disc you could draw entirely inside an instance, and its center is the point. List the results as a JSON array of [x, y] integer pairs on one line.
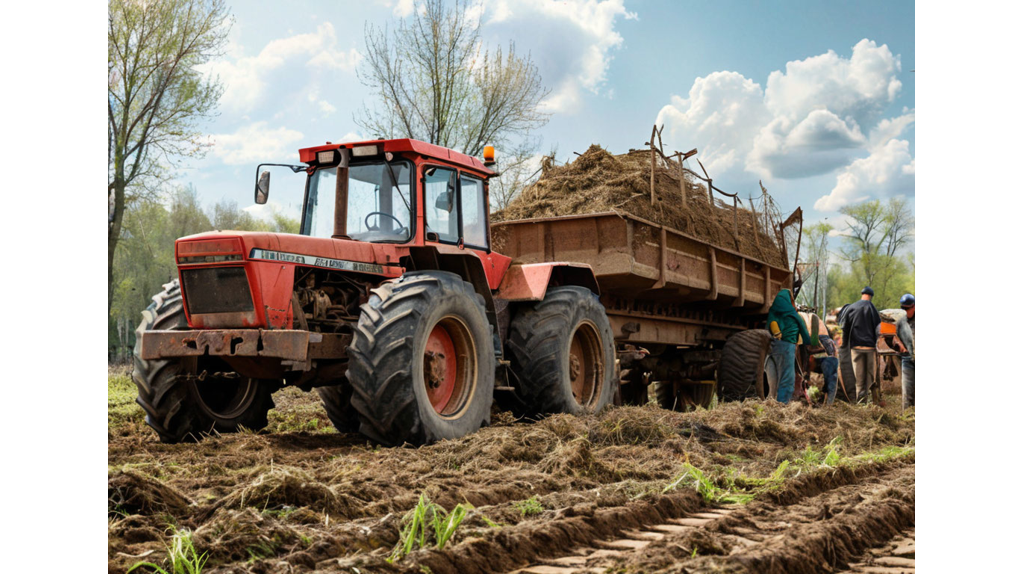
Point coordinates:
[[181, 555], [695, 478], [828, 457], [157, 97], [427, 522], [873, 247], [529, 507], [144, 260], [121, 405]]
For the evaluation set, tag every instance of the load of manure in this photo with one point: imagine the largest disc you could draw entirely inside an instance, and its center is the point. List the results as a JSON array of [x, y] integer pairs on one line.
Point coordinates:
[[598, 181]]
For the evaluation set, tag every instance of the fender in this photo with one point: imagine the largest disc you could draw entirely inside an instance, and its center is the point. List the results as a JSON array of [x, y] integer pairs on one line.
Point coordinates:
[[465, 263], [530, 282]]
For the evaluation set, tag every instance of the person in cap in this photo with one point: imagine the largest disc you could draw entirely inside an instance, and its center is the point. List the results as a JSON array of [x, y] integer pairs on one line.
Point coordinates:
[[788, 328], [861, 326], [905, 345]]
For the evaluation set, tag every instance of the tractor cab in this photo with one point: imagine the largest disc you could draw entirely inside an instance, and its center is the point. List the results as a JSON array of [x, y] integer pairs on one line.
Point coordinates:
[[368, 192]]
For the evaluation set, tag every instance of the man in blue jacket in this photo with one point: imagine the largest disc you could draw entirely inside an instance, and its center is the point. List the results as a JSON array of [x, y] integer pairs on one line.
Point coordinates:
[[787, 326]]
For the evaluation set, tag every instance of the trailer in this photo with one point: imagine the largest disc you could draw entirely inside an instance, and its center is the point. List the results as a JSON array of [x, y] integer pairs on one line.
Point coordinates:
[[673, 300]]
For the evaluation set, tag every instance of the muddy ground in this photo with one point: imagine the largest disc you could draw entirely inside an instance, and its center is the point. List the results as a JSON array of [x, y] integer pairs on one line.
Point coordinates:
[[810, 490]]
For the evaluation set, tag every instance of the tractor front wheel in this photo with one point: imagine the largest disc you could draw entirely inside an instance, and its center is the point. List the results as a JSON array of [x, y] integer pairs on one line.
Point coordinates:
[[421, 362], [179, 406]]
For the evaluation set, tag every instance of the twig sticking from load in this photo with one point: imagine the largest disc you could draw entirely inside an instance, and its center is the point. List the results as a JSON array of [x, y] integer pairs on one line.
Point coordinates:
[[682, 180], [735, 218]]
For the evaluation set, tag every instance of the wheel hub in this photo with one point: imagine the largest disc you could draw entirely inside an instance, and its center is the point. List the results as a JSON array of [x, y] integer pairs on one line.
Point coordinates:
[[435, 366]]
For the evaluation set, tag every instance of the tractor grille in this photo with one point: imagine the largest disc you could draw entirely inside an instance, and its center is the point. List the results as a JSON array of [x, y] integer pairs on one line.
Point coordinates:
[[216, 290]]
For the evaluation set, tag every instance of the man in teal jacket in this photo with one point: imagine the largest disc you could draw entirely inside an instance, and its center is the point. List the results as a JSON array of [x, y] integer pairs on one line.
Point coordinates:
[[786, 326]]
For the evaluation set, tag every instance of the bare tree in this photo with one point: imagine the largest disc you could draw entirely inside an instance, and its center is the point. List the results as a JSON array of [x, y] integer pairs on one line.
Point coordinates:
[[519, 168], [155, 96], [815, 270], [435, 81]]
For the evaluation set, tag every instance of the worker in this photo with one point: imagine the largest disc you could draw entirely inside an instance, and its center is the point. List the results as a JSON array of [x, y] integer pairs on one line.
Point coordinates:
[[905, 345], [861, 326], [824, 354], [788, 328], [847, 379]]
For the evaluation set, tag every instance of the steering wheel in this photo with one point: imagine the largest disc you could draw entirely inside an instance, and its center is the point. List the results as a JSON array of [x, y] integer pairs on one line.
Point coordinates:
[[372, 213]]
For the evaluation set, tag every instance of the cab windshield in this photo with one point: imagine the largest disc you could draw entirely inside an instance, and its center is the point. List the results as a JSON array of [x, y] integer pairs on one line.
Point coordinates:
[[378, 211]]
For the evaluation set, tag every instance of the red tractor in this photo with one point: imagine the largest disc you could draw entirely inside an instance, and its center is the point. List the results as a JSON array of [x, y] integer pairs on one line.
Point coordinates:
[[390, 302]]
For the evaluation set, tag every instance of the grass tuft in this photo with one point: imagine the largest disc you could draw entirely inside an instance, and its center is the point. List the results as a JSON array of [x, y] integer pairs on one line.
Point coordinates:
[[181, 555], [529, 507], [427, 523]]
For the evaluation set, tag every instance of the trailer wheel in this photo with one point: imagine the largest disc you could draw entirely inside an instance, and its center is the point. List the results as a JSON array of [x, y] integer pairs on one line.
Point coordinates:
[[741, 370], [337, 401], [563, 353], [665, 392], [421, 362], [177, 406], [632, 388]]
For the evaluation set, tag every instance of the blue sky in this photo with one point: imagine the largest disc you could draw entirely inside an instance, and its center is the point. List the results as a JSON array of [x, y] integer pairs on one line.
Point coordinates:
[[814, 98]]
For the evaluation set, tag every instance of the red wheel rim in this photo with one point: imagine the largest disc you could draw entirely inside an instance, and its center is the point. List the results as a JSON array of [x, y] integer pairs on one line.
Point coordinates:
[[440, 368], [449, 367], [586, 364]]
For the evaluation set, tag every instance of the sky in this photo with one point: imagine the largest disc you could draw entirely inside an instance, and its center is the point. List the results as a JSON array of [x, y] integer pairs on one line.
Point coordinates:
[[813, 98]]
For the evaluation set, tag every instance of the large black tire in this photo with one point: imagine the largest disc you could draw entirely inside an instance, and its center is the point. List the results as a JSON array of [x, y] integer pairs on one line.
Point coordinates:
[[545, 337], [388, 355], [176, 406], [741, 369], [337, 401]]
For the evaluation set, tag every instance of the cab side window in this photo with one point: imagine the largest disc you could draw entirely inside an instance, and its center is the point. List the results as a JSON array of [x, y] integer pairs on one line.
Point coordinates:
[[440, 211], [474, 214]]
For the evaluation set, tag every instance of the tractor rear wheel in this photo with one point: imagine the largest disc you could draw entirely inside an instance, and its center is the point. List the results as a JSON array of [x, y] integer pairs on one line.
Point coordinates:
[[421, 362], [563, 353], [180, 407], [741, 369]]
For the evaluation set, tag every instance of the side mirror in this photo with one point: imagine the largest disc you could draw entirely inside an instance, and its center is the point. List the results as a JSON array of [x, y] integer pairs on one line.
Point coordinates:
[[444, 201], [263, 188]]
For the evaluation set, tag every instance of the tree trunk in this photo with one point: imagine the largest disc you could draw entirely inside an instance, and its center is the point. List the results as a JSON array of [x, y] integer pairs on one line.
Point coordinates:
[[114, 225]]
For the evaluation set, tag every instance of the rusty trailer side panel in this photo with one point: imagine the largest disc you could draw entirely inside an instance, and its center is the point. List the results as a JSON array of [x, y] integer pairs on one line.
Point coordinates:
[[657, 283]]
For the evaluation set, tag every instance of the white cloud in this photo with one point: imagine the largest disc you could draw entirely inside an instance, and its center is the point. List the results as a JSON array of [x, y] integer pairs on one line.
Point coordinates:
[[857, 88], [255, 143], [570, 40], [723, 113], [324, 106], [244, 77], [268, 210], [819, 143], [888, 171], [810, 119]]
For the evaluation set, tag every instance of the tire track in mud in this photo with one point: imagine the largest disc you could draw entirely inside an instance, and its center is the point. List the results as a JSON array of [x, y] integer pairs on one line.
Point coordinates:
[[894, 557], [815, 524]]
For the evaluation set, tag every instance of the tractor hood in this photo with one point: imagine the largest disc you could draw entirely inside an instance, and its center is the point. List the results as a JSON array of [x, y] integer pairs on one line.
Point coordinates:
[[239, 279]]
